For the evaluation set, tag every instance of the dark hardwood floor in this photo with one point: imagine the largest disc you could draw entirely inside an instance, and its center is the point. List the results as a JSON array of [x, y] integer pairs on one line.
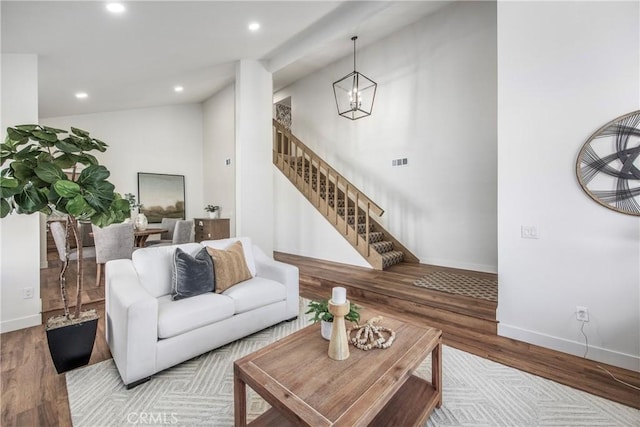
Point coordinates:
[[33, 394]]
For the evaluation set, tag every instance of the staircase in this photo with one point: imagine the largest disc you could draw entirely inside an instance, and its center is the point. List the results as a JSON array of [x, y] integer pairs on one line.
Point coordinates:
[[348, 209]]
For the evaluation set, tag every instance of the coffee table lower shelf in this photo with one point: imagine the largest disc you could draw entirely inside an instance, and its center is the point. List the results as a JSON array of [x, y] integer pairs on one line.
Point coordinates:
[[410, 406]]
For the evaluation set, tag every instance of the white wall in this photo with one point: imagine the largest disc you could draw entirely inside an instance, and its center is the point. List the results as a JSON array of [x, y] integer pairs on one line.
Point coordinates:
[[307, 232], [254, 167], [435, 105], [219, 144], [565, 69], [19, 234], [157, 140]]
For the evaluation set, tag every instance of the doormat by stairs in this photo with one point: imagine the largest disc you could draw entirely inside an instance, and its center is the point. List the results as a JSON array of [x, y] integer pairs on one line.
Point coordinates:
[[460, 284]]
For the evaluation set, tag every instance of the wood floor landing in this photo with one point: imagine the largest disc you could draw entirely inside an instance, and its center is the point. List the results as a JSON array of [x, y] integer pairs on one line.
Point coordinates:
[[467, 324], [395, 289]]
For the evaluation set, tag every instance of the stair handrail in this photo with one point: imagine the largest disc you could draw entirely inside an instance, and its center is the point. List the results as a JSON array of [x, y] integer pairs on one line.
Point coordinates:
[[349, 188]]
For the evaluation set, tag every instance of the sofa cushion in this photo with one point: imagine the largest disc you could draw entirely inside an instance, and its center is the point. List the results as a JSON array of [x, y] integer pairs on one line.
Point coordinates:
[[178, 317], [229, 266], [256, 292], [191, 275], [247, 248], [154, 266]]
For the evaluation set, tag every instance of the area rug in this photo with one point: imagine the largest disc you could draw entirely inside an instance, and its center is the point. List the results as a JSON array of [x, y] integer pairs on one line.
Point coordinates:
[[199, 392], [460, 284]]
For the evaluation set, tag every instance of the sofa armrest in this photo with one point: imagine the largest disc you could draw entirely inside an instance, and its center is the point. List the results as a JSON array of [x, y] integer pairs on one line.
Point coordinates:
[[131, 322], [281, 272]]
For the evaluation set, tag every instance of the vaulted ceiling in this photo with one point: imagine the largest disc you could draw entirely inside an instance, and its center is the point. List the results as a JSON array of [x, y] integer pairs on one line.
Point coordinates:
[[136, 58]]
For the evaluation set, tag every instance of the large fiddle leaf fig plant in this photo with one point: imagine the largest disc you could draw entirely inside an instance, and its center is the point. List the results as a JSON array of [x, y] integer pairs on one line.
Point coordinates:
[[34, 180]]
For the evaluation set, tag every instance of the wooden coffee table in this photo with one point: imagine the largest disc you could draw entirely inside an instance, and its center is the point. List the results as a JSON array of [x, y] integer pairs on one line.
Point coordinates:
[[377, 387]]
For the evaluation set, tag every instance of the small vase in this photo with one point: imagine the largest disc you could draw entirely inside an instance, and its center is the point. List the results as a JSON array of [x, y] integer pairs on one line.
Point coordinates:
[[325, 329], [141, 222], [214, 215]]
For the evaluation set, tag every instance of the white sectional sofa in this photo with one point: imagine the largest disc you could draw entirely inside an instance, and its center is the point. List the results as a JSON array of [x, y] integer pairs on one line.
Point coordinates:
[[148, 332]]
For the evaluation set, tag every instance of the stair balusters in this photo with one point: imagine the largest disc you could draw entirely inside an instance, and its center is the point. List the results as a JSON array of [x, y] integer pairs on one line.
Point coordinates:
[[341, 203]]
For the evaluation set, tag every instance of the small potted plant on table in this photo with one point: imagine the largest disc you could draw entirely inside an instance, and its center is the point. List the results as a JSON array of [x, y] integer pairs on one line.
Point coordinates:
[[214, 211], [139, 219], [320, 311]]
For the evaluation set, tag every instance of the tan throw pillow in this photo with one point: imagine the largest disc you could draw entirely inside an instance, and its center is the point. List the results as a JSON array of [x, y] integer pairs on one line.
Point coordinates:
[[229, 266]]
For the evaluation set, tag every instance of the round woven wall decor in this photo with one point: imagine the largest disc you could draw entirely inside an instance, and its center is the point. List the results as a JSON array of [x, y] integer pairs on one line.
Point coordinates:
[[608, 165]]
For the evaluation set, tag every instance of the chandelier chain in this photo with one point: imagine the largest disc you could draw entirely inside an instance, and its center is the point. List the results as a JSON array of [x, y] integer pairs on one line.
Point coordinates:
[[354, 38]]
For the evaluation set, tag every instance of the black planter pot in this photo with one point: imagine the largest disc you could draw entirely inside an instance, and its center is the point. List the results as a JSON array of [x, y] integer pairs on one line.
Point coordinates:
[[71, 346]]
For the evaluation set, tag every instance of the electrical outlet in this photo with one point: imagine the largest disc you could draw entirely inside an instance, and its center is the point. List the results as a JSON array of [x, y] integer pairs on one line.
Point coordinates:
[[27, 293], [582, 314], [528, 232]]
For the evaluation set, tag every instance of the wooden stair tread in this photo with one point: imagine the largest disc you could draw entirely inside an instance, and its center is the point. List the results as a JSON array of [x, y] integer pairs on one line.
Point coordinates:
[[374, 237], [383, 246], [391, 258]]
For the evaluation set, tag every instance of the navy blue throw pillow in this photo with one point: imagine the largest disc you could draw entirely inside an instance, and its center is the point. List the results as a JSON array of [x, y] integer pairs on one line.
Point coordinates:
[[191, 275]]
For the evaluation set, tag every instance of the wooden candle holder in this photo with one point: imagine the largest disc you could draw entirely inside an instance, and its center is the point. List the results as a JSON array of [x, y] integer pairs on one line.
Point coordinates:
[[339, 344]]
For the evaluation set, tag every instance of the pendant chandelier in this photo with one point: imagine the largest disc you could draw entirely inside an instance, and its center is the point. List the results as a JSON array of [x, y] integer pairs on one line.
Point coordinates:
[[354, 92]]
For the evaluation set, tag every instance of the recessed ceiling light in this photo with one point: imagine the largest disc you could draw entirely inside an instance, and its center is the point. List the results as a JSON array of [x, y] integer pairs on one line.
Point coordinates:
[[115, 7], [178, 88], [254, 26], [82, 95]]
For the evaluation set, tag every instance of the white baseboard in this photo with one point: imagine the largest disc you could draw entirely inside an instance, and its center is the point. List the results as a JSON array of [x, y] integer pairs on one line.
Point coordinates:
[[20, 323], [611, 357]]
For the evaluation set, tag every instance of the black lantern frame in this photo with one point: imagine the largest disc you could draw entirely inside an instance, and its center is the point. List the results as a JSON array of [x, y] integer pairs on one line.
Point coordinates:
[[355, 92]]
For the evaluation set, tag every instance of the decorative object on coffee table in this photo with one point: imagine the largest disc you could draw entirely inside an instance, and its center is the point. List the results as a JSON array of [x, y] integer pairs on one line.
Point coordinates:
[[320, 311], [370, 336], [339, 306], [607, 165]]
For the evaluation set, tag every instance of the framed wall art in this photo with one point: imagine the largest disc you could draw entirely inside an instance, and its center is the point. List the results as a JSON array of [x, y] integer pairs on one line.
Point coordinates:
[[161, 196], [608, 165]]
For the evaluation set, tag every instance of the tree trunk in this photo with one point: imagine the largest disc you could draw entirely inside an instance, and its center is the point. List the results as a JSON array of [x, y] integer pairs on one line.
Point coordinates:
[[63, 271], [79, 277]]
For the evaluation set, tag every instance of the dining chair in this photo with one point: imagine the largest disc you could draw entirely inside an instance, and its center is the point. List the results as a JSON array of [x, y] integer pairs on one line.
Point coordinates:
[[87, 235], [183, 232], [166, 238], [114, 241], [58, 232]]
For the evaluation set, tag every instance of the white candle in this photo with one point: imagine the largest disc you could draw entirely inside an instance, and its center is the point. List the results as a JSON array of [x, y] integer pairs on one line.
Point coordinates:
[[339, 295]]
